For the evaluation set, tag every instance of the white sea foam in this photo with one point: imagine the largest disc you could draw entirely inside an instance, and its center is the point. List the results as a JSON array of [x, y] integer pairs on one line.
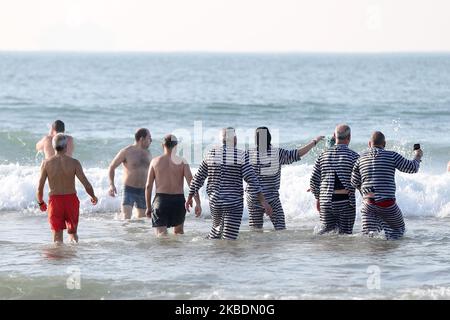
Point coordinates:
[[418, 195]]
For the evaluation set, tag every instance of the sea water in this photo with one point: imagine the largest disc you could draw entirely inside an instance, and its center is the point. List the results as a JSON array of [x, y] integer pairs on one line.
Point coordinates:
[[103, 98]]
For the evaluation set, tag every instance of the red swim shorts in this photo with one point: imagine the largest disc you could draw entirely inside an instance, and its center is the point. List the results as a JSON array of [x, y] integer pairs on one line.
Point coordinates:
[[63, 212]]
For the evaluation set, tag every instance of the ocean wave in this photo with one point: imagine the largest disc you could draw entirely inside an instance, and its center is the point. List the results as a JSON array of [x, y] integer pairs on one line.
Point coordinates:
[[419, 195]]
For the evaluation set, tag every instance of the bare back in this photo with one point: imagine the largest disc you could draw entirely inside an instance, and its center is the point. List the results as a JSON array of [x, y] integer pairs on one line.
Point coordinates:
[[169, 174], [45, 145], [61, 171], [136, 163]]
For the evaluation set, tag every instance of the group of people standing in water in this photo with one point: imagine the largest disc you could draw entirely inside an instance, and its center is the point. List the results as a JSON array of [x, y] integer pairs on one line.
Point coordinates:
[[338, 174]]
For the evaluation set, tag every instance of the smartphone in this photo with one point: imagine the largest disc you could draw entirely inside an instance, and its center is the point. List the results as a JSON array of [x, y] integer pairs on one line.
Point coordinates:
[[417, 146]]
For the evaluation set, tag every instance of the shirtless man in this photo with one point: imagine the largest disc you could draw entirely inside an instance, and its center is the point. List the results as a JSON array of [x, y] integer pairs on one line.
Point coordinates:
[[63, 209], [135, 159], [45, 144], [168, 172]]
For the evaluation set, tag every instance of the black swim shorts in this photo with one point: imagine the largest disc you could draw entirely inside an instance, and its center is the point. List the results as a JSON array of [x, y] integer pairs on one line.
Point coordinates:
[[168, 210]]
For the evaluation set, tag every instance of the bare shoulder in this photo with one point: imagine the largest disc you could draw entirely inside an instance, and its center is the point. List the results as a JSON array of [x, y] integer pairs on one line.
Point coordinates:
[[74, 162], [155, 161]]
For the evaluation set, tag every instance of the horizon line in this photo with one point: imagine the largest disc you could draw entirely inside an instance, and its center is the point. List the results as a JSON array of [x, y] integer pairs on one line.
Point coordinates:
[[262, 52]]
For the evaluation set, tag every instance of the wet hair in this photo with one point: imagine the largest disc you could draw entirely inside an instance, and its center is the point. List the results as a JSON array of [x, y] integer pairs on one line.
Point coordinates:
[[59, 142], [263, 138], [170, 141], [141, 133], [378, 138], [59, 126]]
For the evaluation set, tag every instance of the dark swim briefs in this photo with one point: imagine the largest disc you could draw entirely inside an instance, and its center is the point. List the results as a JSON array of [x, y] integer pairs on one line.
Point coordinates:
[[134, 196], [168, 210]]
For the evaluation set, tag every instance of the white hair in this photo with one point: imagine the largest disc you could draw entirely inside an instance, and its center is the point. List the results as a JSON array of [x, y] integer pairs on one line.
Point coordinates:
[[59, 142], [342, 132]]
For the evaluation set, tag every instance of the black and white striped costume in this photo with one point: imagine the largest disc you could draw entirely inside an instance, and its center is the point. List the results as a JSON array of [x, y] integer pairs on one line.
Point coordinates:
[[374, 172], [335, 215], [225, 168], [267, 166]]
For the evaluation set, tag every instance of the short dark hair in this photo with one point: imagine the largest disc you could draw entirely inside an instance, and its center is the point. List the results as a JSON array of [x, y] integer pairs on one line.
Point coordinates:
[[59, 126], [263, 138], [170, 141], [141, 133], [378, 138]]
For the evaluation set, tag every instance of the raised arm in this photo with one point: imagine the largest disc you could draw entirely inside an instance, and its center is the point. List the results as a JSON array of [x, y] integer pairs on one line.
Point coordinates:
[[40, 144], [149, 189], [85, 182], [305, 149], [40, 190], [405, 165], [117, 161]]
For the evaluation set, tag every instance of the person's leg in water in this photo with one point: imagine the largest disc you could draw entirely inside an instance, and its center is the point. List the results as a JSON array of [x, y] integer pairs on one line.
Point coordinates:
[[347, 214], [392, 222], [58, 237], [179, 229], [277, 217], [161, 232], [255, 216], [140, 213], [73, 237], [126, 212], [140, 203], [328, 218], [232, 221], [217, 221], [371, 223]]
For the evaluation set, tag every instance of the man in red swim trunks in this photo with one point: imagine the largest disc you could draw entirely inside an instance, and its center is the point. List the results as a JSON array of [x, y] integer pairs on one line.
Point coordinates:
[[63, 209]]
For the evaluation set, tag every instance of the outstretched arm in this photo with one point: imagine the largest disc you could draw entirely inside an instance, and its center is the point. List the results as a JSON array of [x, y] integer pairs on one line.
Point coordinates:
[[85, 182], [408, 166], [117, 161], [304, 150], [149, 189], [40, 144]]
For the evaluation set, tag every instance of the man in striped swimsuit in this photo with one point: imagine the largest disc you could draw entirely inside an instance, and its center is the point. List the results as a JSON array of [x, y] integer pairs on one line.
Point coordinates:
[[374, 175], [225, 167], [330, 184], [266, 162]]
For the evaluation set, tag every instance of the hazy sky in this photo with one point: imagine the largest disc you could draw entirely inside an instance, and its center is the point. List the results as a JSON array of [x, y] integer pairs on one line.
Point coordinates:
[[225, 25]]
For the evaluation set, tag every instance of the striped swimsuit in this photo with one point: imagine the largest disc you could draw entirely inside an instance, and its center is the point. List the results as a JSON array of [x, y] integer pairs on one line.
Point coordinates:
[[374, 173], [267, 166], [225, 168], [335, 214]]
